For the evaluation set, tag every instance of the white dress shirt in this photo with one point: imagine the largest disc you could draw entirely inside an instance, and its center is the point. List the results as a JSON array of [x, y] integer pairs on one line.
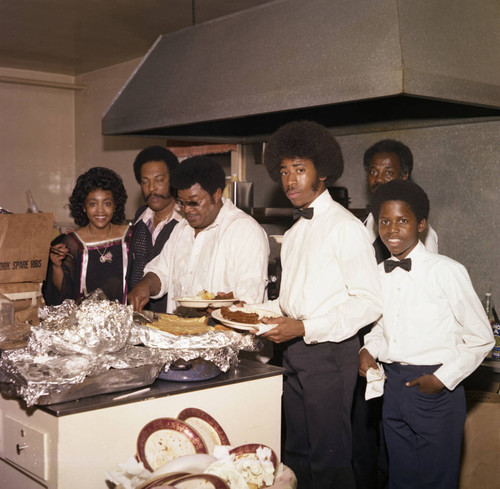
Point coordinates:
[[230, 255], [429, 237], [330, 279], [432, 316], [147, 217]]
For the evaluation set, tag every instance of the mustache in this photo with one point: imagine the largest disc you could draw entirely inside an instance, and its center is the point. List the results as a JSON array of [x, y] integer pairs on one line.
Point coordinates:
[[159, 196]]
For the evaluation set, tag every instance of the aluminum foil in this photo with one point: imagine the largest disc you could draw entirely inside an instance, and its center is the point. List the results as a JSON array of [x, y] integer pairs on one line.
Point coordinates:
[[218, 347], [74, 341]]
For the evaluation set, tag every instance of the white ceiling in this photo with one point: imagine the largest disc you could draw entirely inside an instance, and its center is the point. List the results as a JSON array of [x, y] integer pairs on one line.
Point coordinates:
[[78, 36]]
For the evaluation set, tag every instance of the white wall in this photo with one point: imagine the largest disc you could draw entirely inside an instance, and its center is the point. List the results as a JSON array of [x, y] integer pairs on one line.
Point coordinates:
[[50, 135], [94, 149], [37, 142]]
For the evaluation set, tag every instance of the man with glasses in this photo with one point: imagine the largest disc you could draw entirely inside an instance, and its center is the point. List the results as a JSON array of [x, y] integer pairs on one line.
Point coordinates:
[[216, 246], [153, 222]]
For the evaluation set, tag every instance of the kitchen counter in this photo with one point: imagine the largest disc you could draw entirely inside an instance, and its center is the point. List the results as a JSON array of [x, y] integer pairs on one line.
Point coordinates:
[[244, 371], [73, 444]]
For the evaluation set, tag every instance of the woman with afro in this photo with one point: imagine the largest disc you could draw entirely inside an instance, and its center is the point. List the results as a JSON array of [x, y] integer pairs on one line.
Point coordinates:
[[96, 254]]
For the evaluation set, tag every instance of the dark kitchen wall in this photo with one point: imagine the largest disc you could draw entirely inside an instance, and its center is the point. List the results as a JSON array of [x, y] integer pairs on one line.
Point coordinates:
[[458, 165]]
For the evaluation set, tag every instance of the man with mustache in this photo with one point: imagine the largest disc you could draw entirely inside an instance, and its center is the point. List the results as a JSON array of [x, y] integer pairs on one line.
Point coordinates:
[[329, 291], [384, 161], [155, 221]]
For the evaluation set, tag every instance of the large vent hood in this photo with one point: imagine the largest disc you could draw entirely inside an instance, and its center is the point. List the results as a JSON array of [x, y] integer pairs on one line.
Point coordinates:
[[340, 62]]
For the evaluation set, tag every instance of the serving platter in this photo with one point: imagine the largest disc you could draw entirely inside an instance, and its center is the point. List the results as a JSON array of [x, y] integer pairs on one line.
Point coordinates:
[[164, 439], [258, 327], [210, 430], [197, 303]]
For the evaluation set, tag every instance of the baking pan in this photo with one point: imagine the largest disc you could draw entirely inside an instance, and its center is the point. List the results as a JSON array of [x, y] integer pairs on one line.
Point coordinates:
[[113, 380]]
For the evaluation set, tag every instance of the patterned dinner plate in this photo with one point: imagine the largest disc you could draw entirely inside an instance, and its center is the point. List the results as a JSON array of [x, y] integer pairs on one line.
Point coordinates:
[[164, 439]]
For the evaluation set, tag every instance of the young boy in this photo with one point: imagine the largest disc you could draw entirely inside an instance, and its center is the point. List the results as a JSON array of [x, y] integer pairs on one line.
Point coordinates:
[[433, 334]]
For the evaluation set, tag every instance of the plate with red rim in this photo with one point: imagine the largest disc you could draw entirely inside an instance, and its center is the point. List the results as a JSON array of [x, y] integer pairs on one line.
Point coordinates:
[[250, 450], [164, 439], [206, 425], [184, 482]]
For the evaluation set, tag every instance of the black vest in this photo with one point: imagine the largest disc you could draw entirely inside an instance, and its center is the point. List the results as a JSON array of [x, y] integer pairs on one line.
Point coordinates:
[[142, 251]]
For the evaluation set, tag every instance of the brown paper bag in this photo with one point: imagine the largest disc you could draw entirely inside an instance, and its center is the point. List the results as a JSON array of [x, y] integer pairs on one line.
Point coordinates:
[[24, 246]]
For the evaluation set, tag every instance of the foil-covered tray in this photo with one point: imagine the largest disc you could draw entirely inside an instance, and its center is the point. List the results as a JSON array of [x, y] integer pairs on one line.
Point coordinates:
[[113, 380]]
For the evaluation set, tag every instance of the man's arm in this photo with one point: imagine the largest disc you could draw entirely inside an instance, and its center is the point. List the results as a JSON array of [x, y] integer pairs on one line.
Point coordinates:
[[363, 301], [249, 257], [150, 285], [476, 335], [365, 362]]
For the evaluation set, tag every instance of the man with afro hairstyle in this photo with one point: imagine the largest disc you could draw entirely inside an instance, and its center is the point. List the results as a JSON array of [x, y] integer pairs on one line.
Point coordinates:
[[329, 290]]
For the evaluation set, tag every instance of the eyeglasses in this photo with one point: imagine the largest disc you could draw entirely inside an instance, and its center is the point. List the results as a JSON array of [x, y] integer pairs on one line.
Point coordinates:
[[188, 203]]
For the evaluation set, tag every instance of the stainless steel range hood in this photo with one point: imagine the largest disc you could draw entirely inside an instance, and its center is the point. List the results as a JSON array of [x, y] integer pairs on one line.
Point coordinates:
[[340, 62]]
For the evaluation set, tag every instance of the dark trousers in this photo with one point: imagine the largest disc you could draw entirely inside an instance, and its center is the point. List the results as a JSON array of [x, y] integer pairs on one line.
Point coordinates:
[[317, 395], [369, 453], [423, 432]]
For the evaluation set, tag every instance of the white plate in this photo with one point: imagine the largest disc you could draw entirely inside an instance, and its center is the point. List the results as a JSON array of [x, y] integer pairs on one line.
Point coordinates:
[[250, 451], [259, 327], [185, 482], [164, 439], [158, 480], [206, 426], [203, 303], [187, 464]]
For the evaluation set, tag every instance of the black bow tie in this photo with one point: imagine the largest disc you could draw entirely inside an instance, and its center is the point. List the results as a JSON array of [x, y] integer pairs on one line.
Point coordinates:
[[306, 213], [390, 265]]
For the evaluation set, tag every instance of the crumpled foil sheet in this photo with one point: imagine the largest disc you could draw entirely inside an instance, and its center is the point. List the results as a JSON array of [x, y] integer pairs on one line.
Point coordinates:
[[218, 347], [74, 341]]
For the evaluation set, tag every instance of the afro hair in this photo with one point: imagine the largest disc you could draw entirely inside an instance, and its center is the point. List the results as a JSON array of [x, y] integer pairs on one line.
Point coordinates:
[[154, 153], [199, 169], [97, 178], [304, 139], [405, 191], [404, 154]]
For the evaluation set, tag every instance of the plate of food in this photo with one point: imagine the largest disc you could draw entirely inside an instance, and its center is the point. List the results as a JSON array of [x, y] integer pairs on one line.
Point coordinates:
[[210, 430], [164, 439], [206, 299], [244, 318]]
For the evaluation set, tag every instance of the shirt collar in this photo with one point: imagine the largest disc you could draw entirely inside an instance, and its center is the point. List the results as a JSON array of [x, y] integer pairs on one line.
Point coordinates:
[[320, 203], [148, 214]]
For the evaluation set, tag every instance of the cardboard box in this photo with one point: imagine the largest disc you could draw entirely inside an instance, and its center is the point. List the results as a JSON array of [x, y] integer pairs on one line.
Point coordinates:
[[24, 246], [481, 443]]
